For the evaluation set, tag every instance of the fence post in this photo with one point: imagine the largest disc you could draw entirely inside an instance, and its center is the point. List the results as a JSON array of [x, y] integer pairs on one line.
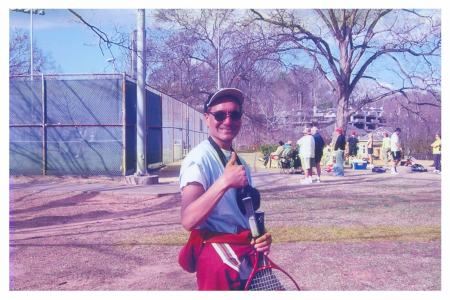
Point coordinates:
[[124, 126], [141, 118], [44, 125]]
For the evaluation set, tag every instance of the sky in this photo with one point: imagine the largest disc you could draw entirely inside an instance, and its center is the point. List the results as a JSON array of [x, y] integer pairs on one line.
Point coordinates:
[[75, 48], [71, 44]]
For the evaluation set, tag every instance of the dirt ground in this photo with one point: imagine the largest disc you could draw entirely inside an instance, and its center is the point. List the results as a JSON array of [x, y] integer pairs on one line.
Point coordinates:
[[364, 231]]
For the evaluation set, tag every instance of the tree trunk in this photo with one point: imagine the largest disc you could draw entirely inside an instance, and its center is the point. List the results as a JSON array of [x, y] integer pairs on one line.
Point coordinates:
[[342, 113]]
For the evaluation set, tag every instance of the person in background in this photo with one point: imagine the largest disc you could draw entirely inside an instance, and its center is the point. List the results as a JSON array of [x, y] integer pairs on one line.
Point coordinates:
[[274, 155], [319, 144], [437, 153], [328, 158], [396, 149], [306, 151], [296, 159], [286, 161], [370, 149], [280, 149], [386, 148], [339, 149], [287, 146], [353, 145]]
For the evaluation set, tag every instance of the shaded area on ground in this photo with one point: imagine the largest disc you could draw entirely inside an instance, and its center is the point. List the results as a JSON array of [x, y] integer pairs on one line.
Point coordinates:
[[364, 231]]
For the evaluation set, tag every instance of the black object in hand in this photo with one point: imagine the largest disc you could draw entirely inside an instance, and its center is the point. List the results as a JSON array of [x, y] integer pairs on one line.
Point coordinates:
[[251, 192]]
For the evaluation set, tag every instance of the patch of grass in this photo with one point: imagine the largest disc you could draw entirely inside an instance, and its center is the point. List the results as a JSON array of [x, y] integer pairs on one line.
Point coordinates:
[[357, 234], [177, 238], [313, 234]]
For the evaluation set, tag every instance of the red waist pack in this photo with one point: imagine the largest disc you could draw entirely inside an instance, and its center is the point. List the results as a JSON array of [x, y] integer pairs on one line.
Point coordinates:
[[187, 258]]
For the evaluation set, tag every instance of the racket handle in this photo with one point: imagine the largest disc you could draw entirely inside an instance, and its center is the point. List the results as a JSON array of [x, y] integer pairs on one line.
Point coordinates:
[[259, 216], [253, 226]]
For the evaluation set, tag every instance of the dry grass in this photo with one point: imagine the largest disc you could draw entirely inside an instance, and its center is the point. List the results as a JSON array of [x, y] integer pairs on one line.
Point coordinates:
[[357, 234], [315, 234]]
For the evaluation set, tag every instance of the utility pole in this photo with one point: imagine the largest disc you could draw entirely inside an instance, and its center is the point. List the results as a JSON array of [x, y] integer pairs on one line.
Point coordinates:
[[141, 162], [141, 176]]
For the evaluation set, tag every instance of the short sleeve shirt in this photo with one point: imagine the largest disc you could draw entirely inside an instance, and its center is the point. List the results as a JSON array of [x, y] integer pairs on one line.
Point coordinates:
[[203, 165], [395, 142], [386, 143], [307, 146]]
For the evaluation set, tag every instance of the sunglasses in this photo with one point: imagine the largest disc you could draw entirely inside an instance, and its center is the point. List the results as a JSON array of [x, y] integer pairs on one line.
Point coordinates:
[[221, 115]]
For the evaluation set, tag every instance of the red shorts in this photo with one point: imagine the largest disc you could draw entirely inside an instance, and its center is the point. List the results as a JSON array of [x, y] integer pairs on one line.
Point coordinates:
[[218, 266], [216, 258]]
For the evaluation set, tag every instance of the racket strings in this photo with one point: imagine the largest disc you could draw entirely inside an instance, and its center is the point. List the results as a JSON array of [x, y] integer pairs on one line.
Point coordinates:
[[265, 280]]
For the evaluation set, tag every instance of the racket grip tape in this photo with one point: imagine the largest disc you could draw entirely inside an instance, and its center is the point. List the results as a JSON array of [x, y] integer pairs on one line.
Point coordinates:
[[259, 216], [253, 226]]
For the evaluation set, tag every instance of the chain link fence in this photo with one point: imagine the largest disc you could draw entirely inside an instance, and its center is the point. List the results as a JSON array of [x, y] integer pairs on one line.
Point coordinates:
[[86, 125]]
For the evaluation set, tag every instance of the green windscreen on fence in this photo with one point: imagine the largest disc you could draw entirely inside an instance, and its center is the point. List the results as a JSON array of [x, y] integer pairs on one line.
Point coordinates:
[[86, 125]]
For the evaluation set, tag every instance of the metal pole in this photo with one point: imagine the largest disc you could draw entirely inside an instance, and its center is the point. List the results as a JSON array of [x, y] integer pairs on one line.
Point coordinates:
[[133, 55], [44, 125], [141, 164], [124, 126], [218, 57], [31, 44], [31, 12]]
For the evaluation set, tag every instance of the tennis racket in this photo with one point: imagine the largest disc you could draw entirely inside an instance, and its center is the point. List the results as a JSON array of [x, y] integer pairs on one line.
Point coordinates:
[[265, 275]]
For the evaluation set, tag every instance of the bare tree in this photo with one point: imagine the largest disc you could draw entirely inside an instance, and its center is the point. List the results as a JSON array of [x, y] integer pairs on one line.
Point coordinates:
[[105, 40], [248, 58], [19, 55], [352, 47], [363, 56]]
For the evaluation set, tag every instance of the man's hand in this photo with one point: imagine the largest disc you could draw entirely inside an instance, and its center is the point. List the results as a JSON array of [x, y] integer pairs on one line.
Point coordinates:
[[234, 175], [263, 243]]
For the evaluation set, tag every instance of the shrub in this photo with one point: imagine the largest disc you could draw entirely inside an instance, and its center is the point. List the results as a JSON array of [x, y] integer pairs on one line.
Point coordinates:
[[267, 148]]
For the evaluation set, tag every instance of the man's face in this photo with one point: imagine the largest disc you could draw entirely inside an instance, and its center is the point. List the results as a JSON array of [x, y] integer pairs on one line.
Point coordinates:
[[224, 131]]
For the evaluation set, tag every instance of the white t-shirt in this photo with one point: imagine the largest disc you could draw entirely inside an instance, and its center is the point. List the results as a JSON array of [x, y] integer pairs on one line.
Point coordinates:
[[204, 166], [306, 146], [395, 142]]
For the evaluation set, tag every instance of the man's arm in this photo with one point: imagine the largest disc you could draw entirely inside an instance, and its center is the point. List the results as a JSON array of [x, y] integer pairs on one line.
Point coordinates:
[[196, 203]]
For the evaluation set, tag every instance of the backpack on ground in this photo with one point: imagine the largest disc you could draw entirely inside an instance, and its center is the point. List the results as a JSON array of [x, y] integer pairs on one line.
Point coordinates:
[[418, 168], [378, 169]]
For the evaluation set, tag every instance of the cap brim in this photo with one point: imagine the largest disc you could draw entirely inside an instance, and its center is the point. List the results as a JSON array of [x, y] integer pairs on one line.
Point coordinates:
[[233, 93]]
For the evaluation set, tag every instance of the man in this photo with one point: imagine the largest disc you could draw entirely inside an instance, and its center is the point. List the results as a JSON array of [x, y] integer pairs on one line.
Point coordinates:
[[396, 150], [306, 146], [209, 179], [353, 145], [319, 144], [370, 149], [386, 148], [339, 149], [436, 146]]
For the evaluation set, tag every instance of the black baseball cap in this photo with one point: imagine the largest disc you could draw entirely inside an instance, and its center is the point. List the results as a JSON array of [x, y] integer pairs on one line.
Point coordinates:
[[230, 93]]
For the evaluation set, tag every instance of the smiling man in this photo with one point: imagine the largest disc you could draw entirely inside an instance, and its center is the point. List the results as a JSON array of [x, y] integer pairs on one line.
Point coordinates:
[[211, 177]]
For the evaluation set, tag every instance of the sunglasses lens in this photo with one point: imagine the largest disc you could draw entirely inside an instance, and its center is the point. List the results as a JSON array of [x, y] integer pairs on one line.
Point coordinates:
[[220, 116], [235, 115]]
